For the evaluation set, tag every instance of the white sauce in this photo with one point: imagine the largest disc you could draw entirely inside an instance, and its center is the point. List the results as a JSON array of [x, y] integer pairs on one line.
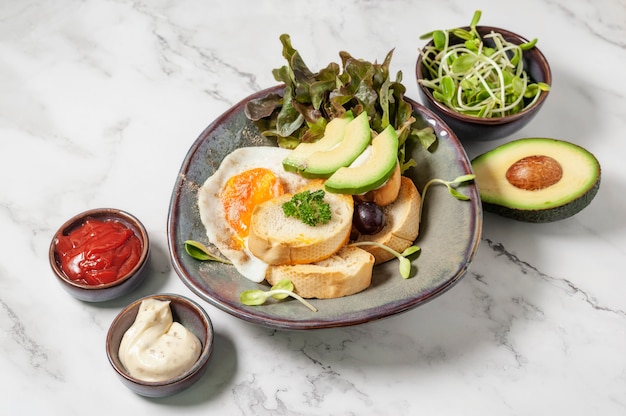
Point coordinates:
[[362, 158], [155, 348]]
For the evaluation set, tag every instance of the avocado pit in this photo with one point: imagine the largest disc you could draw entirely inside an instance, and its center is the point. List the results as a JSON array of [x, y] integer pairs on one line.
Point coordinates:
[[535, 172]]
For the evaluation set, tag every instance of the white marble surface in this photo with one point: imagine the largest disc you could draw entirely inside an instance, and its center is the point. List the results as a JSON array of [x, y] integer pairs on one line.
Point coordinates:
[[99, 103]]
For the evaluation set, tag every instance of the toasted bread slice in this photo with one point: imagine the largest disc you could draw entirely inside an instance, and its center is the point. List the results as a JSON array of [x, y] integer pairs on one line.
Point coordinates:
[[347, 272], [402, 223], [280, 240]]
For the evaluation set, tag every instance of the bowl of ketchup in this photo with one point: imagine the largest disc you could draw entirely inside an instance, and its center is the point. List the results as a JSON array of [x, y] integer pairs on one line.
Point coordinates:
[[100, 254]]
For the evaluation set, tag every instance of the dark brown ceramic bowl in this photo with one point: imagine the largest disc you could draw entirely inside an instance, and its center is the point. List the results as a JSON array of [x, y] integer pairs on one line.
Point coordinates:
[[108, 291], [468, 128], [184, 311]]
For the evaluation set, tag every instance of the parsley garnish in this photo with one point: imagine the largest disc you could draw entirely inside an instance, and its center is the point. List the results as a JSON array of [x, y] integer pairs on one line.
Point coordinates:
[[309, 207]]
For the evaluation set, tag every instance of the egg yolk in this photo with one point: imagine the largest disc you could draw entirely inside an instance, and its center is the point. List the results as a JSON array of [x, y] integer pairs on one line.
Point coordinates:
[[243, 192]]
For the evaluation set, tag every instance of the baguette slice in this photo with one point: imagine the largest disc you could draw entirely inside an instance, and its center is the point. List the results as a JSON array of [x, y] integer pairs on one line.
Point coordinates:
[[280, 240], [347, 272], [402, 223]]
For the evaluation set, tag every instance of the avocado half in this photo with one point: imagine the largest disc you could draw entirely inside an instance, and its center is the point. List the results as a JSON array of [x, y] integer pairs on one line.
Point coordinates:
[[537, 179]]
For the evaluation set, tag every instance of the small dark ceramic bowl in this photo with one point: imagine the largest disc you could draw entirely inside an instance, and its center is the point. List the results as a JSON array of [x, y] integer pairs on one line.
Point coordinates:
[[483, 129], [108, 291], [184, 311]]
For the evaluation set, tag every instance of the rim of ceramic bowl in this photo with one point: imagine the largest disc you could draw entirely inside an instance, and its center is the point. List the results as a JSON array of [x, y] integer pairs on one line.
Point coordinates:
[[205, 353], [511, 37], [113, 213]]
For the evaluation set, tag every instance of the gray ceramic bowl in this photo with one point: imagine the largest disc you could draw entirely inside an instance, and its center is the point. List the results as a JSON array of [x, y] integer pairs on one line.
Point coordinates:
[[185, 311], [450, 232], [483, 129], [107, 291]]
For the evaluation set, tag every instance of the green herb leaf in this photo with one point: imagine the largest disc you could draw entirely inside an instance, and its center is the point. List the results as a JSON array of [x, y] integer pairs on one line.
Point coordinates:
[[253, 297], [461, 34], [404, 262], [463, 178], [447, 88], [281, 290], [289, 119], [426, 137], [449, 184], [472, 45], [309, 207], [463, 64], [440, 39], [475, 19], [258, 109], [284, 284], [457, 194], [405, 267], [528, 45], [411, 250], [543, 86], [199, 251]]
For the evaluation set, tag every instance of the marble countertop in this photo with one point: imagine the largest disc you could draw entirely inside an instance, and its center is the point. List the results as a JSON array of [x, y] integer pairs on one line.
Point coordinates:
[[99, 104]]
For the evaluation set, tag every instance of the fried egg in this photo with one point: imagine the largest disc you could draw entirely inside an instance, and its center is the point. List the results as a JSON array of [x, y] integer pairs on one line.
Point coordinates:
[[245, 178]]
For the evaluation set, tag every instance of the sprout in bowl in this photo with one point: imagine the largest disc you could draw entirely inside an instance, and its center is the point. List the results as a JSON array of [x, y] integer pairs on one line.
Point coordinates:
[[485, 82]]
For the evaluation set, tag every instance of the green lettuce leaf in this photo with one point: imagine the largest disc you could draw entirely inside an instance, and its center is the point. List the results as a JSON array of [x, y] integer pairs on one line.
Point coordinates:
[[311, 99]]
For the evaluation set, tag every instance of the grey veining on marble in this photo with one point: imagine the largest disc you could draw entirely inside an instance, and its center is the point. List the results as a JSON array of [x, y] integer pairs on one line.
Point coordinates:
[[99, 104]]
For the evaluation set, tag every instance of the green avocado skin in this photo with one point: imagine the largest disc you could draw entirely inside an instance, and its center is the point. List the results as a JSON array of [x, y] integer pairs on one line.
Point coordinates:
[[545, 215]]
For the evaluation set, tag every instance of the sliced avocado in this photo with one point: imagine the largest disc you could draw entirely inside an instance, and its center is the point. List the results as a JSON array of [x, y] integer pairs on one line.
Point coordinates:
[[333, 134], [537, 179], [374, 170], [357, 137]]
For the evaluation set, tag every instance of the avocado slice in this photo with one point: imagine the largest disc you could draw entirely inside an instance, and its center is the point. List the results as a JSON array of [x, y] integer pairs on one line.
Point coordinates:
[[357, 137], [537, 179], [333, 135], [376, 168]]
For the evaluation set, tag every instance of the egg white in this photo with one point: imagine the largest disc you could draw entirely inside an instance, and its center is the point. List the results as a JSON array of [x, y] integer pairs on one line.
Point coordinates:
[[212, 215]]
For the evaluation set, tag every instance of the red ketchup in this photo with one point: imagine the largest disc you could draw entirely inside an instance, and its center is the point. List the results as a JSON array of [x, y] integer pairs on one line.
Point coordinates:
[[98, 252]]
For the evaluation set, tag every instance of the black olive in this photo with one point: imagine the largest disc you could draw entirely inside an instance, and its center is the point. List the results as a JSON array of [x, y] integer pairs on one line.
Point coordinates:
[[368, 218]]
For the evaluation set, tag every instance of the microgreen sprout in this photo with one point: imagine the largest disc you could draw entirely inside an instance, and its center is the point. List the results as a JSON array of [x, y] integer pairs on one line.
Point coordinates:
[[199, 251], [279, 291], [450, 185], [405, 263], [480, 77]]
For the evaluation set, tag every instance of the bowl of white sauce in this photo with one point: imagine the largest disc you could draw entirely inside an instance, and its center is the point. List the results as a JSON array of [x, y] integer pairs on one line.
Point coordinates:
[[160, 345]]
